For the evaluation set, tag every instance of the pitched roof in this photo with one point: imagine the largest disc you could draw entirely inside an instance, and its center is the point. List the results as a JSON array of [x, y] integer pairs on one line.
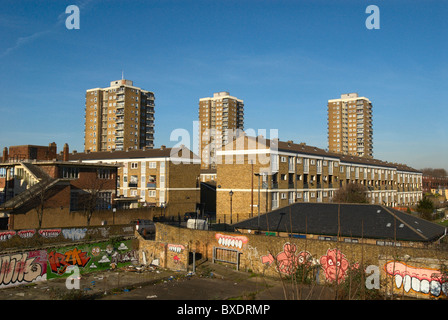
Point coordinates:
[[130, 154], [354, 220], [290, 146]]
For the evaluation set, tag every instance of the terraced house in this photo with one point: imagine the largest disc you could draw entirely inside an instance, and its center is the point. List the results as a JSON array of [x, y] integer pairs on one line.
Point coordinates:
[[258, 175], [163, 177]]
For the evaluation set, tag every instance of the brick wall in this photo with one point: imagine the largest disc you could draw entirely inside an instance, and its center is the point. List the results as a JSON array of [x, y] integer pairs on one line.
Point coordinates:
[[272, 256], [171, 255], [57, 217]]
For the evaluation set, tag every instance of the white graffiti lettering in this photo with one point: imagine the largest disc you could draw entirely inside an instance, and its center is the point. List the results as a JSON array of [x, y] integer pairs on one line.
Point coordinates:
[[74, 233], [50, 233]]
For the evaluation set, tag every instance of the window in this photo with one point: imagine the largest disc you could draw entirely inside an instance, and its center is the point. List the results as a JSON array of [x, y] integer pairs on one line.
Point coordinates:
[[73, 201], [104, 174], [152, 165], [134, 165], [104, 200], [274, 200], [133, 182], [283, 159], [70, 173], [152, 193]]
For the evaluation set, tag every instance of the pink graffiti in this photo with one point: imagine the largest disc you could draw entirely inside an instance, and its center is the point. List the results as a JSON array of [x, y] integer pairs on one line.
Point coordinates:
[[176, 247], [419, 280], [231, 241], [267, 259], [335, 265], [288, 260]]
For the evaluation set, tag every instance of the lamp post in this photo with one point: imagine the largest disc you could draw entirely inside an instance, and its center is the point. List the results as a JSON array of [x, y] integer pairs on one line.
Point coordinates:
[[258, 205], [231, 194]]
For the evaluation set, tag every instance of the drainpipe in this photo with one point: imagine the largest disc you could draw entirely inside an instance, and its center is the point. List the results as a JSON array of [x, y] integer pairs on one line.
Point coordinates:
[[444, 235]]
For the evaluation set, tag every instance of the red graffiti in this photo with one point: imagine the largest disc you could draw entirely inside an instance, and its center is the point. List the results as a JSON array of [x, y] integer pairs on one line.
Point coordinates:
[[26, 234], [6, 235], [50, 233], [60, 261]]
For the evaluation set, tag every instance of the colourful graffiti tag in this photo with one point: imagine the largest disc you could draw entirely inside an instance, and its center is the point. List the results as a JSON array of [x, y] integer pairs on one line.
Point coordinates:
[[89, 257], [424, 281], [60, 261], [288, 260], [24, 267]]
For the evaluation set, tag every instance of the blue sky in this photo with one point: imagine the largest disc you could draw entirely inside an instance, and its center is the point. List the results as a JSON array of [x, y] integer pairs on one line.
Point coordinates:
[[285, 59]]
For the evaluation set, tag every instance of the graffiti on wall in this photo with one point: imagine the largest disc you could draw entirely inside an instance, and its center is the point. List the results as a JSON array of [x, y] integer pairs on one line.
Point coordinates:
[[6, 235], [74, 234], [20, 268], [73, 257], [335, 265], [177, 249], [407, 279], [49, 233], [288, 260], [89, 257], [231, 241], [26, 234], [39, 265], [417, 280]]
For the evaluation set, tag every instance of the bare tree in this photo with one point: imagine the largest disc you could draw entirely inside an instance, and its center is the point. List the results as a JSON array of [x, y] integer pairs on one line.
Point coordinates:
[[435, 172], [351, 193], [92, 196], [38, 196]]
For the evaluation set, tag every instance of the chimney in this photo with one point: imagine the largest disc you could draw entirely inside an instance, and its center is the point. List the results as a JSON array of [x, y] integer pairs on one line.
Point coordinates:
[[5, 154], [65, 153], [162, 147], [52, 151]]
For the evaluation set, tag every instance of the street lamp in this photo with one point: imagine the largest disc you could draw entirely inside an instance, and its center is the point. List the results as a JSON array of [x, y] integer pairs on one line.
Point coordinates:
[[231, 194], [258, 205]]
